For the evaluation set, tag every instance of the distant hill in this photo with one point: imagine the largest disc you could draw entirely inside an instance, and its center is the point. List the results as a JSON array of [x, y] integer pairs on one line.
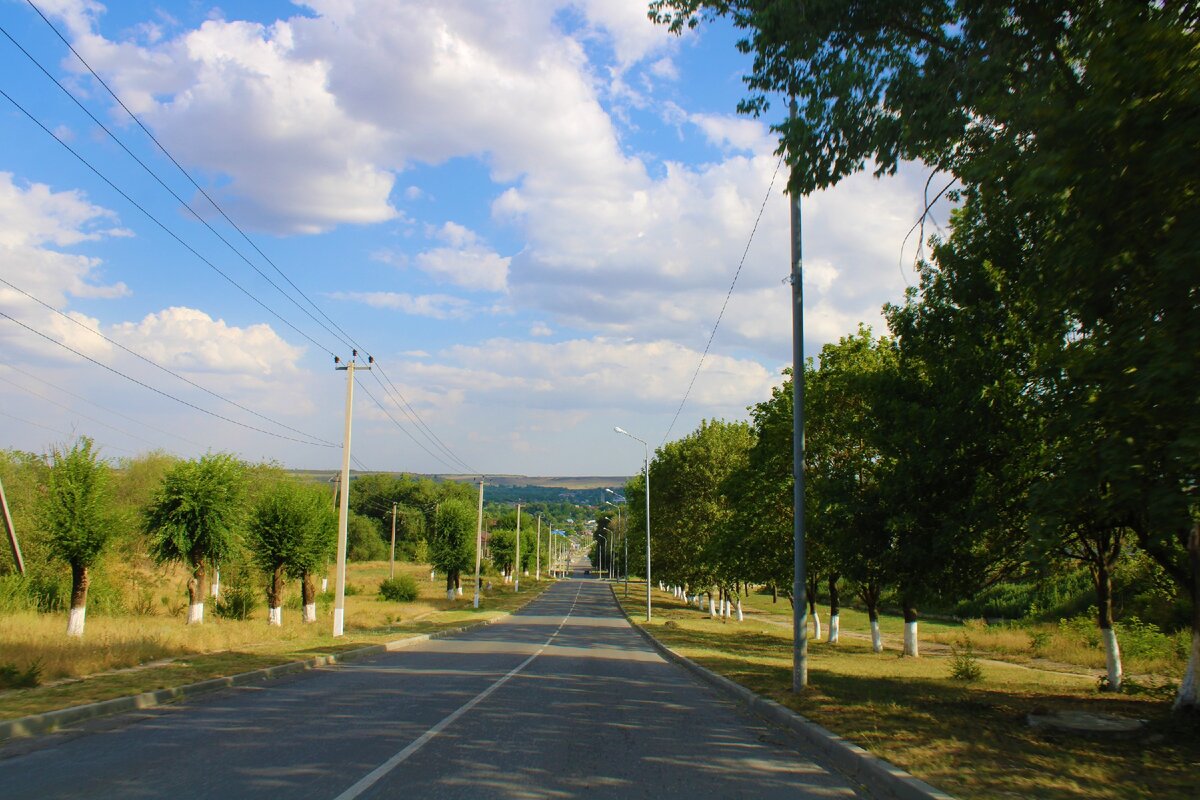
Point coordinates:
[[614, 482]]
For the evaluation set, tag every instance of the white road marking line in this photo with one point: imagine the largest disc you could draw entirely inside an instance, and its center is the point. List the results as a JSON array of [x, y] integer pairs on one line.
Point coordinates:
[[375, 775]]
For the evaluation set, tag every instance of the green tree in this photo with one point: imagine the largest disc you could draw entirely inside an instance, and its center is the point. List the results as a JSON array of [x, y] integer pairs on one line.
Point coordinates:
[[502, 544], [364, 538], [76, 511], [195, 518], [1055, 108], [453, 543], [290, 532]]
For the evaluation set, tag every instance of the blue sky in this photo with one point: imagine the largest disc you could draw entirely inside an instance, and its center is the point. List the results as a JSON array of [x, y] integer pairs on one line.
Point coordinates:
[[528, 212]]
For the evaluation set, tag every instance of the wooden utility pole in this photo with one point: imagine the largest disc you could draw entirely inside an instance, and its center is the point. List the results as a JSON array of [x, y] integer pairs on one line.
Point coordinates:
[[12, 532]]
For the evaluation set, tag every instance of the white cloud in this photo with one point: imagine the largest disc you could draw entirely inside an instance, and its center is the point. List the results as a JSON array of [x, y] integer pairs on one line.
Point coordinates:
[[191, 340], [436, 306], [467, 262], [540, 329]]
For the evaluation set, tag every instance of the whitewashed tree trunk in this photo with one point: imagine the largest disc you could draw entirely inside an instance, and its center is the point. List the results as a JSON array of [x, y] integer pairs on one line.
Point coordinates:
[[310, 612], [1186, 698], [449, 594], [1112, 658], [324, 584], [75, 621], [216, 583], [712, 607], [275, 616], [876, 638], [739, 610], [195, 614], [911, 648], [432, 574], [834, 628], [458, 591], [816, 626]]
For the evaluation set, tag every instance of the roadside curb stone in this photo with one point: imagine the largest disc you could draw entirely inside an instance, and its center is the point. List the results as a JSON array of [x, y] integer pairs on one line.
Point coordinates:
[[50, 721], [880, 777]]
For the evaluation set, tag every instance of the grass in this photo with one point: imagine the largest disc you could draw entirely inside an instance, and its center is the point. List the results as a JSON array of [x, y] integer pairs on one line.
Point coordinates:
[[970, 739], [122, 655]]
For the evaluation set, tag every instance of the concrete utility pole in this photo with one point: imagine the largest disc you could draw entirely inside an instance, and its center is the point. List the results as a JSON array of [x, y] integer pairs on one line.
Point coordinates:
[[478, 541], [646, 449], [537, 559], [799, 578], [392, 564], [339, 598], [12, 532], [517, 576]]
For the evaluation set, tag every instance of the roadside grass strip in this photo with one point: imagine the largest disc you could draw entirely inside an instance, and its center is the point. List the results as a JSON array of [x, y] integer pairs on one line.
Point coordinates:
[[969, 739]]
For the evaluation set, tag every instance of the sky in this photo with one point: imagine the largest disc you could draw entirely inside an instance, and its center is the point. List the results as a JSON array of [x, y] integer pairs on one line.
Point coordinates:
[[528, 213]]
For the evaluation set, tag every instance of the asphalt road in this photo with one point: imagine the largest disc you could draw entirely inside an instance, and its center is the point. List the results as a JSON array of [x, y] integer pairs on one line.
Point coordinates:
[[561, 700]]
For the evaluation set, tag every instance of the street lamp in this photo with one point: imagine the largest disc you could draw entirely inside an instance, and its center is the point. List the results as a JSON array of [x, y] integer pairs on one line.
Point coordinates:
[[646, 448], [624, 536], [600, 552]]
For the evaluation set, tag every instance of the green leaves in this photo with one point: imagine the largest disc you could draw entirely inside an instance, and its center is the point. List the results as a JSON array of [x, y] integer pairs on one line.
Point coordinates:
[[76, 509], [198, 510]]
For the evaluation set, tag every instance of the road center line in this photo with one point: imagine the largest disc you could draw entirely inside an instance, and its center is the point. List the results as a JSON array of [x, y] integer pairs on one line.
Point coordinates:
[[375, 775]]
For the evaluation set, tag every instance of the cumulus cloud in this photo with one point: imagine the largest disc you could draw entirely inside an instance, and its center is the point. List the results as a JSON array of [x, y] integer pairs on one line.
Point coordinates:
[[193, 341], [466, 262], [435, 306], [35, 219]]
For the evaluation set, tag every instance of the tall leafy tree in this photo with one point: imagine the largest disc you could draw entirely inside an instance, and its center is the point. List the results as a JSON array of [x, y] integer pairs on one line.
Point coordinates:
[[452, 548], [76, 513], [195, 518], [1075, 113], [290, 532]]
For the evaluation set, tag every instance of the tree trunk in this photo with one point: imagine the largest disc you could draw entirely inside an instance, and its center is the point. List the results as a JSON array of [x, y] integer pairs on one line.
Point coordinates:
[[308, 597], [79, 588], [216, 583], [450, 586], [275, 597], [869, 593], [1102, 575], [739, 610], [834, 608], [911, 647], [195, 587], [1187, 699], [774, 593]]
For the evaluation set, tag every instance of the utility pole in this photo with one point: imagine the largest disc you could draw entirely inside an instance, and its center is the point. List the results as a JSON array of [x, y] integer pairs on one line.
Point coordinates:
[[799, 578], [339, 598], [392, 564], [537, 560], [517, 577], [12, 532], [478, 541]]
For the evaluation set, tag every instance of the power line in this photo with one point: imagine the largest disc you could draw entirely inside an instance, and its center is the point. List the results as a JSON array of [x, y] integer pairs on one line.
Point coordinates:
[[415, 418], [69, 393], [160, 224], [170, 372], [188, 175], [59, 431], [66, 407], [728, 294], [169, 190], [404, 430], [153, 389]]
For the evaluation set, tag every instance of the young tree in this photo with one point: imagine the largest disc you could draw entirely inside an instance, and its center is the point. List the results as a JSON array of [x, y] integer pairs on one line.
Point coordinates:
[[76, 513], [289, 534], [195, 517], [453, 542]]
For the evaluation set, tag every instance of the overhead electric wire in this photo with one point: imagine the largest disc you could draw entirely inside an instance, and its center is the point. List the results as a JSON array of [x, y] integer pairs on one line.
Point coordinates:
[[66, 407], [59, 431], [115, 371], [403, 429], [69, 393], [169, 190], [159, 223], [172, 373], [407, 409], [725, 304], [344, 336], [191, 180]]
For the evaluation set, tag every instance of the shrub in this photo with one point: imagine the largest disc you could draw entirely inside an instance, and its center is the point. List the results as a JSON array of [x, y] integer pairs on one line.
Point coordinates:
[[1082, 628], [964, 664], [1144, 640], [11, 677], [401, 589], [239, 595]]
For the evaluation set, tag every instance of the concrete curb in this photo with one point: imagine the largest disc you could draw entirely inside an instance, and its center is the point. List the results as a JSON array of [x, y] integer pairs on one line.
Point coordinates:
[[38, 724], [880, 777]]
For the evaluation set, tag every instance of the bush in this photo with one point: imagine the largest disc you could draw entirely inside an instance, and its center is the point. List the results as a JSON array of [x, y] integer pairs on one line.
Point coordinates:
[[401, 589], [13, 678], [1144, 640], [964, 665], [364, 539], [239, 595]]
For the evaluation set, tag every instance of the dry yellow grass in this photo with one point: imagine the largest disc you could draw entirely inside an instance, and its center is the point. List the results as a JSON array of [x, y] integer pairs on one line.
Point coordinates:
[[129, 654]]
